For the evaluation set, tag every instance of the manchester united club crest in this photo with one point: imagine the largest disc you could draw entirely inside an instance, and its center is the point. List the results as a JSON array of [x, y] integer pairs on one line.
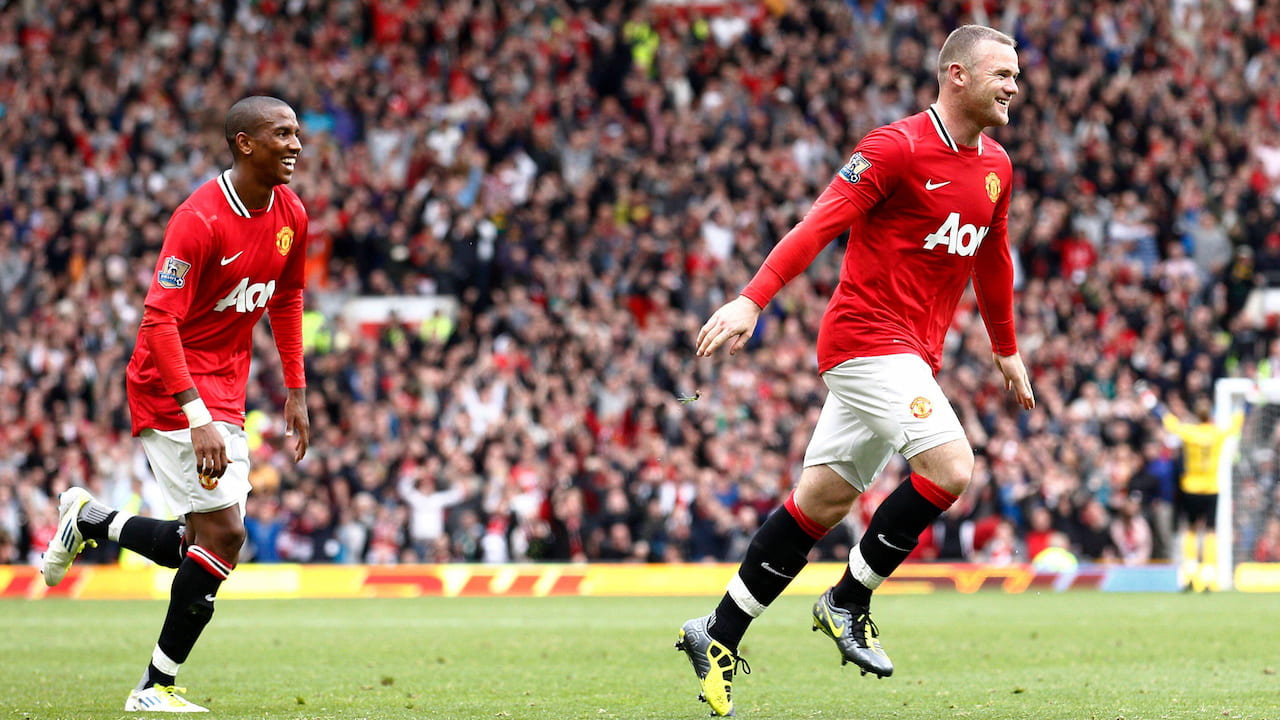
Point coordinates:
[[284, 240], [208, 482], [993, 186], [921, 407]]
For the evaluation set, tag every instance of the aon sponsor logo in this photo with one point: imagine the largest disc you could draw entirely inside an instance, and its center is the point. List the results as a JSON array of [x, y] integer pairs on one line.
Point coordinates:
[[247, 298], [962, 240]]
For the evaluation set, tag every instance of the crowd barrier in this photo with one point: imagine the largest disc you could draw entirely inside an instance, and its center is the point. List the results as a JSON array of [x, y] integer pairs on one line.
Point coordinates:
[[599, 580]]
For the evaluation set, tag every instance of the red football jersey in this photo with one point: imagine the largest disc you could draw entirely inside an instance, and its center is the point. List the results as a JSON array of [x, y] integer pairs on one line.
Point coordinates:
[[924, 215], [221, 266]]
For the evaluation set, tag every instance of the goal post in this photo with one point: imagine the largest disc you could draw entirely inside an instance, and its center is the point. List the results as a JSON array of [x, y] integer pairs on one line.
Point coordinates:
[[1243, 483]]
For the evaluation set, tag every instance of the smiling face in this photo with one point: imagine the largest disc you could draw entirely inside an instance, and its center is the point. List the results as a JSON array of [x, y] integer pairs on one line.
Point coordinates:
[[990, 84], [272, 148]]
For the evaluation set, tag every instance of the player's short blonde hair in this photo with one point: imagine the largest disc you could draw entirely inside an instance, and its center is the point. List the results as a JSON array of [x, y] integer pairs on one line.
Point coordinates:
[[960, 44]]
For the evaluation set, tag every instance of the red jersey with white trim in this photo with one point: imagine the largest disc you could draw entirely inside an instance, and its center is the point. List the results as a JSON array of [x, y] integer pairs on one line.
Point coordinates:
[[221, 266], [924, 215]]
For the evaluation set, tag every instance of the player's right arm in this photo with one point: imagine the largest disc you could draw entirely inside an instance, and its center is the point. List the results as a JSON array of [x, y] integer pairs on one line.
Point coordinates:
[[186, 245], [867, 179]]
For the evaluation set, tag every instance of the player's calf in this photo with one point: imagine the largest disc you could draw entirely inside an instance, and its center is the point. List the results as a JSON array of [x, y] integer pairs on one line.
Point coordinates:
[[191, 607], [160, 541]]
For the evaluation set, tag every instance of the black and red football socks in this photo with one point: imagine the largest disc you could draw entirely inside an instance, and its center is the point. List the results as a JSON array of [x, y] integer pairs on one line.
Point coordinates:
[[777, 553], [191, 597], [890, 537], [160, 541]]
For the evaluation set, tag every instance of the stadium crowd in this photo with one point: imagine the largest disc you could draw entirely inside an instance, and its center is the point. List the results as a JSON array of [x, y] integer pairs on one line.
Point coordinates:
[[590, 180]]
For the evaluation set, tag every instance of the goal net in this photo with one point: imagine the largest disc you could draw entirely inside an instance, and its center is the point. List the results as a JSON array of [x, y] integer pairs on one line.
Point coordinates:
[[1247, 470]]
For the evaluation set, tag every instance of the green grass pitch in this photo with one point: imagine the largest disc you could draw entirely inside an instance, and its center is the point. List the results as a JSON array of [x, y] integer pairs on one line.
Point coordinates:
[[1048, 656]]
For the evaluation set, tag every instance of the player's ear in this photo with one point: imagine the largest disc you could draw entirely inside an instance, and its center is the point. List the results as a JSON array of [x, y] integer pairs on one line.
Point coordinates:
[[244, 143]]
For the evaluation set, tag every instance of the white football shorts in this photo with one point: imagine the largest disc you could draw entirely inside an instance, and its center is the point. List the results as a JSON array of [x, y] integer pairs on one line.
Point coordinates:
[[875, 407], [173, 462]]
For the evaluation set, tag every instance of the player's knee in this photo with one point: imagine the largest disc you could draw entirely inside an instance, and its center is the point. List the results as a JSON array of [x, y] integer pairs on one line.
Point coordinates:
[[823, 495], [958, 473], [954, 484], [949, 466], [233, 540], [226, 542], [954, 477]]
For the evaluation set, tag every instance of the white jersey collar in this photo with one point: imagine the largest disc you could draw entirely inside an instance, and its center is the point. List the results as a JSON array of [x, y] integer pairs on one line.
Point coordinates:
[[237, 205], [942, 131]]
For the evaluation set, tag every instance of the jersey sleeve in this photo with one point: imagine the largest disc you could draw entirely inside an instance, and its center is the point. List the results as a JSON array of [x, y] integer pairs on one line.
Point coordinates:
[[183, 254], [875, 168], [993, 282], [173, 286], [867, 179], [285, 311], [160, 333]]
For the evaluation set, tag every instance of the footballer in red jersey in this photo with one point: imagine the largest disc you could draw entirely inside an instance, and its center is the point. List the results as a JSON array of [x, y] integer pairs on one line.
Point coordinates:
[[221, 267], [924, 215], [235, 249], [925, 201]]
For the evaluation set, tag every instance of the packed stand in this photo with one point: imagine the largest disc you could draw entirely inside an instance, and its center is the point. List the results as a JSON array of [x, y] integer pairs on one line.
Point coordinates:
[[591, 180]]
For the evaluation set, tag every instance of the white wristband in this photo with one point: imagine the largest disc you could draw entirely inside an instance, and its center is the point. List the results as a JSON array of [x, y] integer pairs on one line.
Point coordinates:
[[197, 414]]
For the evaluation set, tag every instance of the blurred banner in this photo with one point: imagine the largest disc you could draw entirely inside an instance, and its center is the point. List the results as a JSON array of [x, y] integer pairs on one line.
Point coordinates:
[[339, 581]]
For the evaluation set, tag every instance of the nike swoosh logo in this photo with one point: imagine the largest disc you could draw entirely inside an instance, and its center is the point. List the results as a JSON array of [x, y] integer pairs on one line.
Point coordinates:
[[837, 627], [883, 539], [769, 568], [931, 185], [226, 260], [209, 598]]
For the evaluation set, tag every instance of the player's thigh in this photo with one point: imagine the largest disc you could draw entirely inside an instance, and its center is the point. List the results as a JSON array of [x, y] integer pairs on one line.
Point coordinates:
[[844, 443], [173, 462]]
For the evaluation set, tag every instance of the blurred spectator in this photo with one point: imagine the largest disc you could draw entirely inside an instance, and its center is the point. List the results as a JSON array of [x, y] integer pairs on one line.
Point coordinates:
[[427, 504], [1057, 557], [1156, 484], [262, 524], [1039, 531], [1130, 534], [1267, 548], [1093, 534], [1004, 547]]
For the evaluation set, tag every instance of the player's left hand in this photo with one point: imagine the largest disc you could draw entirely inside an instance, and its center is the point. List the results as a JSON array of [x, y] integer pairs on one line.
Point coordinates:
[[296, 421], [1016, 379]]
